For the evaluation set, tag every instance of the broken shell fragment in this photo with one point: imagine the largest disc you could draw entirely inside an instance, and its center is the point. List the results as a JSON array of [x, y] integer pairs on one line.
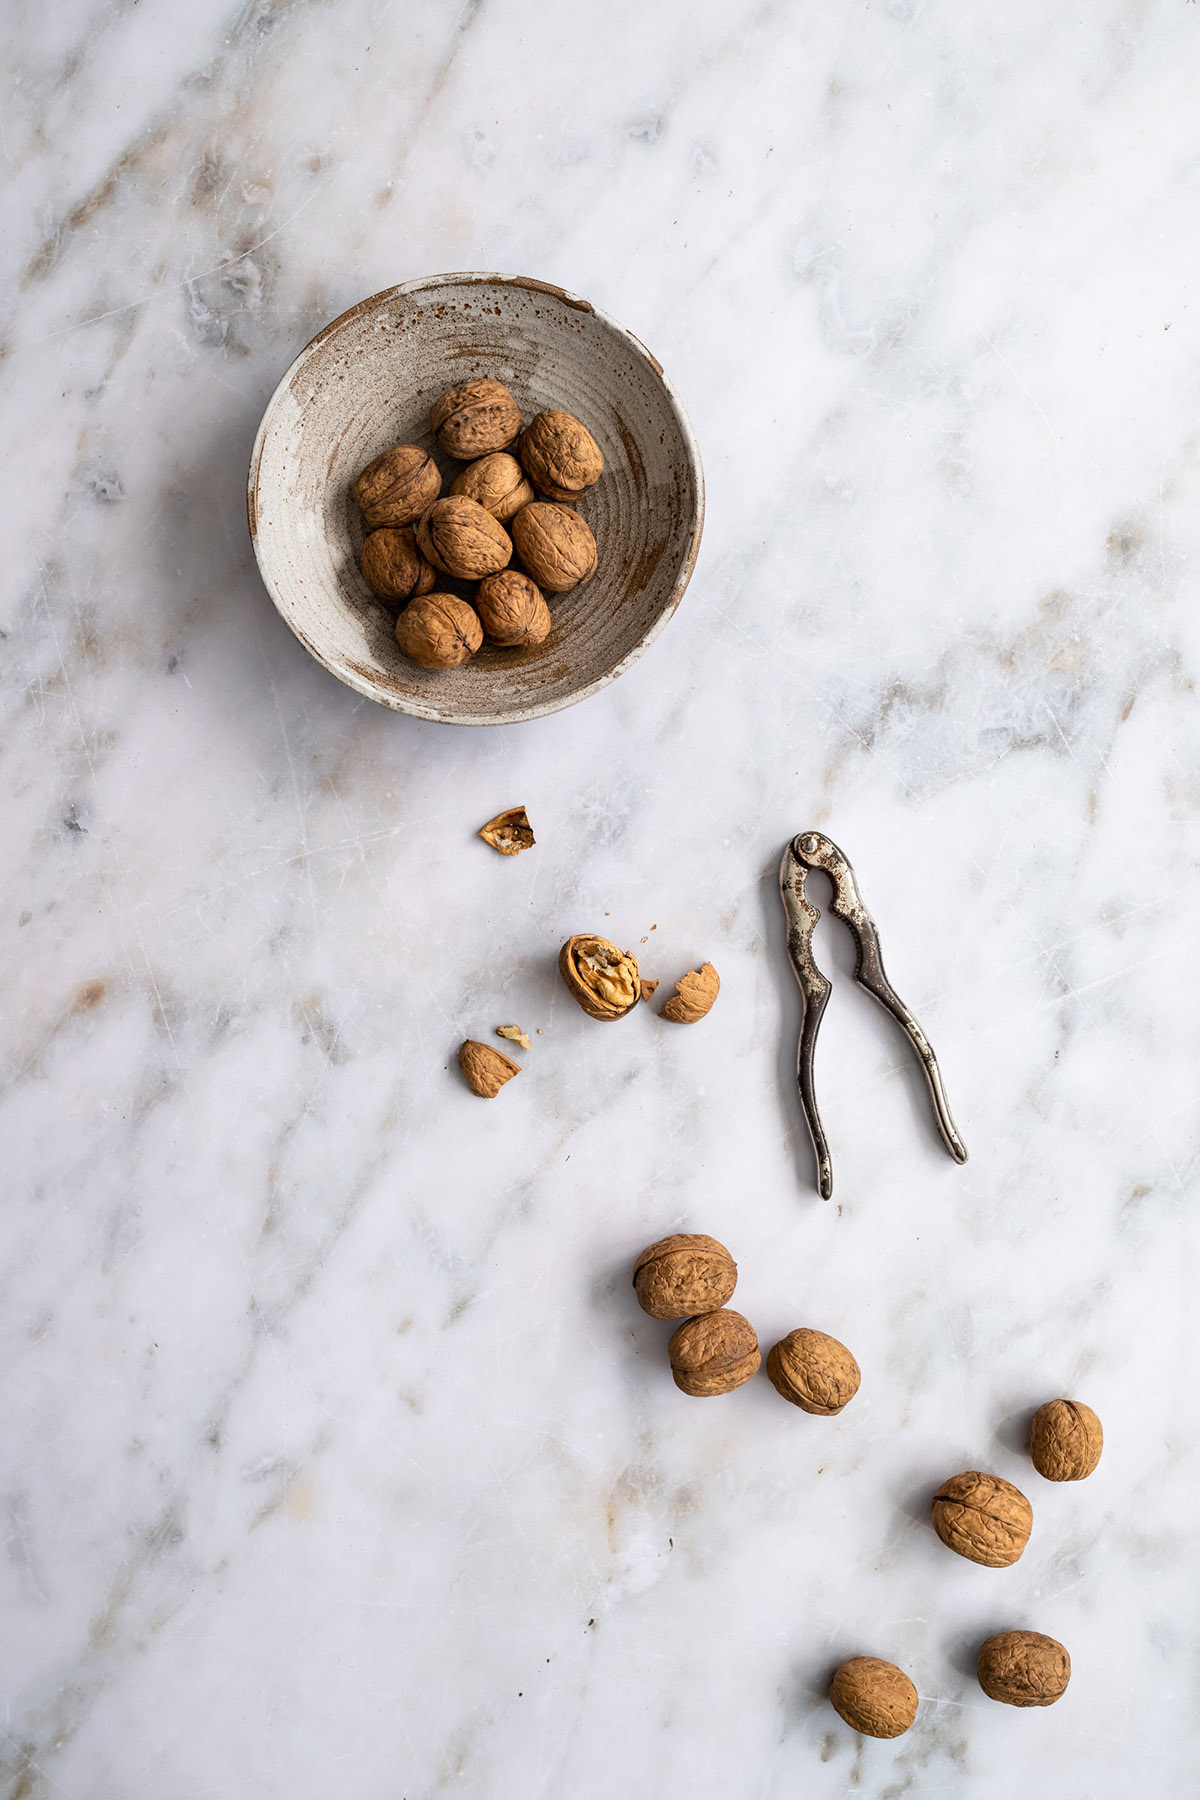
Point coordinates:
[[693, 997], [509, 832], [485, 1070], [514, 1034]]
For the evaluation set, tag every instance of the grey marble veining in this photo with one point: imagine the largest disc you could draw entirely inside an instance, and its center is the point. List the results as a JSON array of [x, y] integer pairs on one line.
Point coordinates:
[[337, 1453]]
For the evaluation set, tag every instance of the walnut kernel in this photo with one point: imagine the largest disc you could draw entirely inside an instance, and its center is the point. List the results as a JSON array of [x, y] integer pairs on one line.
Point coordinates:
[[982, 1517], [680, 1276], [714, 1353], [602, 978], [814, 1372], [514, 1034]]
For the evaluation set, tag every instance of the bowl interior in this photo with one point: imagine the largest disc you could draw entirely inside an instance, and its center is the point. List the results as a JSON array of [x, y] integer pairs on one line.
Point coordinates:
[[368, 381]]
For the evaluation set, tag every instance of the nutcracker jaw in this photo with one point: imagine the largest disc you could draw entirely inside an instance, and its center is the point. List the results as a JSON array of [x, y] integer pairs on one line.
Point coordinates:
[[812, 850]]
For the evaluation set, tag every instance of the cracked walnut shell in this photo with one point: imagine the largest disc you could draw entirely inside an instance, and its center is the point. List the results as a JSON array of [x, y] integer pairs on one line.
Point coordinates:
[[680, 1276], [458, 537], [398, 486], [693, 997], [814, 1372], [497, 483], [982, 1517], [474, 418], [873, 1696], [713, 1354], [602, 978], [512, 610], [555, 545], [1023, 1668], [560, 456], [438, 631], [509, 832], [486, 1070], [1065, 1440]]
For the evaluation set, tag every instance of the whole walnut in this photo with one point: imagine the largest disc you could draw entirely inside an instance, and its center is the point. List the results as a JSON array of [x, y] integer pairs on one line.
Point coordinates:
[[814, 1372], [983, 1518], [439, 631], [713, 1354], [874, 1696], [475, 418], [512, 609], [683, 1275], [485, 1070], [560, 456], [602, 978], [458, 537], [555, 545], [497, 482], [1023, 1668], [390, 562], [694, 996], [398, 486], [1066, 1440]]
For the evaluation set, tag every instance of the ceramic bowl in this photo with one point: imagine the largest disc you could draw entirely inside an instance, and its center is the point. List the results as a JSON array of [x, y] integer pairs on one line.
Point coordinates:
[[368, 381]]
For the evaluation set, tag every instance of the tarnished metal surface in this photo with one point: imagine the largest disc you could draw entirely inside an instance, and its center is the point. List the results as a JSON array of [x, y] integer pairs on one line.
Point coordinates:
[[813, 850]]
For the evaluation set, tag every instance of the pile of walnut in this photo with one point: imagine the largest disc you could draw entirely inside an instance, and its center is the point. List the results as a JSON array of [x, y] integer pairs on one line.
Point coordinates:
[[416, 534], [690, 1277]]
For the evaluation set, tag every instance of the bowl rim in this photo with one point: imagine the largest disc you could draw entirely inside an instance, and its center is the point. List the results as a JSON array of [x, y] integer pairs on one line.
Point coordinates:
[[420, 284]]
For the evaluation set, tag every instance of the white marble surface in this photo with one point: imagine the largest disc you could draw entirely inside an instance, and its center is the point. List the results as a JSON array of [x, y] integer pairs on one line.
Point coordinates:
[[337, 1456]]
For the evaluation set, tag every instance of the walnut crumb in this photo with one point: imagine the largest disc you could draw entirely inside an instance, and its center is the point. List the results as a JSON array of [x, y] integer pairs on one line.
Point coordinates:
[[514, 1034]]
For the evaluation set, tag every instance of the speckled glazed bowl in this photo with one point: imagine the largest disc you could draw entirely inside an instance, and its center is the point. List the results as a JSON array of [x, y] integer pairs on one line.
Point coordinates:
[[368, 381]]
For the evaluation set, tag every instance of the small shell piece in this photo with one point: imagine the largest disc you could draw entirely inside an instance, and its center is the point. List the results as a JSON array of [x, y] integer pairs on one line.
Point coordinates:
[[497, 482], [693, 997], [512, 610], [1023, 1668], [439, 631], [648, 988], [486, 1070], [390, 562], [398, 486], [1066, 1440], [982, 1517], [873, 1696], [458, 537], [474, 418], [561, 457], [713, 1354], [509, 832], [555, 545], [514, 1034], [680, 1276], [814, 1372], [603, 979]]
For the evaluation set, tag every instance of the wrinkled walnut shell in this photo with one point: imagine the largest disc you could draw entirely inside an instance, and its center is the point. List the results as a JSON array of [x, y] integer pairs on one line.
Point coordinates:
[[438, 631], [982, 1517], [497, 483], [713, 1354], [458, 537], [512, 610], [814, 1372], [555, 545], [602, 978], [486, 1070], [693, 997], [560, 456], [509, 832], [390, 562], [681, 1276], [398, 486], [1023, 1668], [474, 418], [873, 1696], [1065, 1440]]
